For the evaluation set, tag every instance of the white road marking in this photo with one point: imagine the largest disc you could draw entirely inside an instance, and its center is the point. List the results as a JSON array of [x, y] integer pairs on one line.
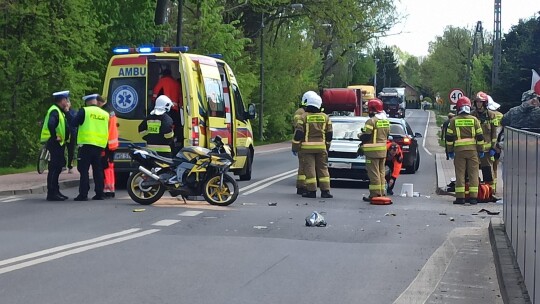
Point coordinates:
[[68, 246], [425, 134], [273, 150], [266, 180], [433, 271], [274, 180], [165, 223], [190, 213], [13, 200], [75, 251]]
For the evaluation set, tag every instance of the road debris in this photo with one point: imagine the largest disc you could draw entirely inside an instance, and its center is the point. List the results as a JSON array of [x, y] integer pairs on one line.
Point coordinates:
[[442, 213], [315, 220], [489, 212], [260, 227], [139, 210], [390, 214], [249, 204], [272, 204], [452, 219]]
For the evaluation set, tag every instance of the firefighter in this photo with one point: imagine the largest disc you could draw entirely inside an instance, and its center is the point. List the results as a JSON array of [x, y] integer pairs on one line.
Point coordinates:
[[374, 137], [157, 128], [108, 155], [312, 138], [494, 107], [92, 139], [301, 176], [465, 144], [55, 133], [394, 161], [489, 124]]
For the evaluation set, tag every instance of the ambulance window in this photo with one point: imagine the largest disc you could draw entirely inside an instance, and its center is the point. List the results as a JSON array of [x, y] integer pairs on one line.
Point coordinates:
[[214, 95], [127, 96], [240, 110]]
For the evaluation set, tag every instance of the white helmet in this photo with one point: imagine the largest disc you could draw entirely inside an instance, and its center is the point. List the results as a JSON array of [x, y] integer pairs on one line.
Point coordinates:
[[163, 104], [314, 100], [306, 96]]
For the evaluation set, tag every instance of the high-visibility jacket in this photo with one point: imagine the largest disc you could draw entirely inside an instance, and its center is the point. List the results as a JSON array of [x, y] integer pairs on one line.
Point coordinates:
[[95, 128], [396, 161], [170, 87], [60, 128], [489, 122], [313, 132], [377, 130], [112, 144], [464, 133]]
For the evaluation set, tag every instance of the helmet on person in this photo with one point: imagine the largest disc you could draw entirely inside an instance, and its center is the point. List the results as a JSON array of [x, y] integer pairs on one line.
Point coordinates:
[[306, 96], [463, 104], [163, 104], [314, 100], [375, 105], [492, 105], [481, 96]]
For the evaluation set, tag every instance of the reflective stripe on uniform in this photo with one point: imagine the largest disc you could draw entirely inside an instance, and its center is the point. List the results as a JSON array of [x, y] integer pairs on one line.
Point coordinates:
[[311, 180], [159, 148]]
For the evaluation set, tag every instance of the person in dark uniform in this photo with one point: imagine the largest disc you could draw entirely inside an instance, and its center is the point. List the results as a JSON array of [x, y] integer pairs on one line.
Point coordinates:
[[55, 133], [157, 128], [92, 139], [70, 115]]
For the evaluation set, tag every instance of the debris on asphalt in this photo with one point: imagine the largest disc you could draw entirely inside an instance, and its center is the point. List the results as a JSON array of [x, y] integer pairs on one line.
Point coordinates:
[[452, 219], [416, 194], [378, 221], [139, 210], [442, 213], [272, 204], [489, 212], [390, 214], [249, 204], [315, 220], [260, 227]]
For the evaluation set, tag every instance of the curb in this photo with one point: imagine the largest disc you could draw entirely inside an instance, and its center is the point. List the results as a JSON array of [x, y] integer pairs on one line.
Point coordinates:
[[43, 188], [510, 280]]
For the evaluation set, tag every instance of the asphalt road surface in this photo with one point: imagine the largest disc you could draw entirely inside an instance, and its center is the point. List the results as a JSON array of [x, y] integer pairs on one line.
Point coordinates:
[[418, 250]]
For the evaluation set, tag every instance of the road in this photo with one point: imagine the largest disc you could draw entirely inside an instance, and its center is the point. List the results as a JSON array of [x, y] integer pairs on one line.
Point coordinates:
[[418, 250]]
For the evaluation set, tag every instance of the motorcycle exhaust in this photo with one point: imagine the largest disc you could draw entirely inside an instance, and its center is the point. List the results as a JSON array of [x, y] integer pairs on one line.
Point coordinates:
[[147, 172]]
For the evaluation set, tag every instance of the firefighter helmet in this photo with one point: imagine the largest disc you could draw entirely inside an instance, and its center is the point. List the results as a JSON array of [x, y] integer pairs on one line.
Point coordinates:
[[481, 96], [463, 101], [306, 96], [163, 104], [375, 105]]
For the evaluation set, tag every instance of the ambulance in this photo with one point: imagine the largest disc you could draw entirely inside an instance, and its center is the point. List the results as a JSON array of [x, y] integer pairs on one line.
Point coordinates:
[[210, 102]]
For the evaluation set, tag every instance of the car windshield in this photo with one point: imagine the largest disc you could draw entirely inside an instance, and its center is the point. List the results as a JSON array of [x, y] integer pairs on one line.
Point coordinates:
[[391, 100], [397, 129], [347, 129]]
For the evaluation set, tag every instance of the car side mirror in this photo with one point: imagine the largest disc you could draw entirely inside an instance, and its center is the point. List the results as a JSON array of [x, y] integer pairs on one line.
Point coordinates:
[[417, 134], [252, 111]]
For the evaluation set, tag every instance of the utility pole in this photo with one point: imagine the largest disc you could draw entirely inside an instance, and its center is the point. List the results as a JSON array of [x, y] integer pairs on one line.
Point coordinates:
[[496, 45]]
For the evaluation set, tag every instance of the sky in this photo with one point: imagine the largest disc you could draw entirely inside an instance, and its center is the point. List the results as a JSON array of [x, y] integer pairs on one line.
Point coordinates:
[[426, 19]]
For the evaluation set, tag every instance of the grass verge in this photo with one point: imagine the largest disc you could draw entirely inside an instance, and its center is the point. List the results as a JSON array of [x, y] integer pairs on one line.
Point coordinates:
[[11, 170]]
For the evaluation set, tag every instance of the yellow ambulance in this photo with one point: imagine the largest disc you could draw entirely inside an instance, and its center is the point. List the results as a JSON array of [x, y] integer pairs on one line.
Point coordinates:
[[210, 99]]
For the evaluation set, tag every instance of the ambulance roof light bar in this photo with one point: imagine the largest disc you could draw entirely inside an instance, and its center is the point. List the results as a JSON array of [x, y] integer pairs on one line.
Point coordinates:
[[150, 49]]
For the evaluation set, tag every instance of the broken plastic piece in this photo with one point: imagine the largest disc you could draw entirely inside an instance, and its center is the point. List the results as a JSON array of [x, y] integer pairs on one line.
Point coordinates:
[[489, 212], [315, 219]]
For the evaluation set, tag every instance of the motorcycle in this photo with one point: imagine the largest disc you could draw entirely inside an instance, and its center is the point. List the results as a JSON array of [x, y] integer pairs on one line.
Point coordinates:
[[193, 171]]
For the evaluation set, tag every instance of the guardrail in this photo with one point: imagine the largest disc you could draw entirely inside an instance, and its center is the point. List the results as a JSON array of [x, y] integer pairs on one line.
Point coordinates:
[[521, 213]]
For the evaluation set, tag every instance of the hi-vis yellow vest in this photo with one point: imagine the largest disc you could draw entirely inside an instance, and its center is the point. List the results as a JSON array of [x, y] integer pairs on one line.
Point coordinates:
[[60, 129], [379, 130], [95, 129]]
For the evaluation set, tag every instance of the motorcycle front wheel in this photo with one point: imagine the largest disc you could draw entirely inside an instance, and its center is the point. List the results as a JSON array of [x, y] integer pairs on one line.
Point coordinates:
[[223, 195], [144, 195]]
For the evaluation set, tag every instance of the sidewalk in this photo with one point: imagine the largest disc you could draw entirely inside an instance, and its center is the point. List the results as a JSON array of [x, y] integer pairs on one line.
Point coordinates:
[[34, 183]]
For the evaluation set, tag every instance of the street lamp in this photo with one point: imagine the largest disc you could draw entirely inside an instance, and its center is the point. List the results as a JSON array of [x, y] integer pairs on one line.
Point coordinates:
[[261, 71], [375, 76]]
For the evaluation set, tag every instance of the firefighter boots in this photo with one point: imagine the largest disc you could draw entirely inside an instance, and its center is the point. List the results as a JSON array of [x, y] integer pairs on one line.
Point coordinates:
[[326, 194], [310, 194], [459, 201]]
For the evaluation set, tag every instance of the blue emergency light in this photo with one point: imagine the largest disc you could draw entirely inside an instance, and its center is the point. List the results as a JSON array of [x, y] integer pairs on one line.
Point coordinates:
[[217, 56], [151, 49]]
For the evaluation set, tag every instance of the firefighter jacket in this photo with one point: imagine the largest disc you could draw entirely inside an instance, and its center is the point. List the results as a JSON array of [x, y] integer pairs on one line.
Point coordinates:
[[489, 122], [394, 162], [158, 132], [93, 126], [54, 126], [313, 133], [522, 116], [464, 134], [374, 137], [298, 116]]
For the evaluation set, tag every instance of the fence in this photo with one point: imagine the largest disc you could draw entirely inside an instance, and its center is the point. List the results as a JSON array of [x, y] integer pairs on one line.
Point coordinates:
[[521, 213]]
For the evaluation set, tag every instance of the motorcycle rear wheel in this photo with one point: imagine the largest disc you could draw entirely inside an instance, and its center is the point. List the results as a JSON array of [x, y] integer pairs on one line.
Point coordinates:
[[143, 195], [220, 196]]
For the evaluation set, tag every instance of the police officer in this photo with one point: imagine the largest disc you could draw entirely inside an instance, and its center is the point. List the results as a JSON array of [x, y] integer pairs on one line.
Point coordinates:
[[55, 133], [157, 128], [312, 136], [107, 160], [465, 143], [301, 176], [489, 124], [394, 161], [374, 137], [92, 139]]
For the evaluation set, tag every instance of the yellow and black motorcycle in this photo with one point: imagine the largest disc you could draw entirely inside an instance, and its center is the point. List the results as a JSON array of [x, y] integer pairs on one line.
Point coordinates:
[[194, 171]]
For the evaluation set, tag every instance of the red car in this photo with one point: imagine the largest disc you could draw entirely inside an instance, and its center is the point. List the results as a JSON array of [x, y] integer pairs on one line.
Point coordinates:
[[401, 132]]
